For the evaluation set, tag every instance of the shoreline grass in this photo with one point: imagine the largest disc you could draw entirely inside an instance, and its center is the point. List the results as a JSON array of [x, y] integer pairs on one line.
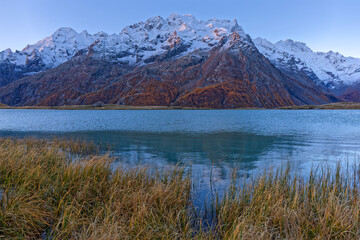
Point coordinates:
[[45, 193], [104, 107], [278, 205], [330, 106]]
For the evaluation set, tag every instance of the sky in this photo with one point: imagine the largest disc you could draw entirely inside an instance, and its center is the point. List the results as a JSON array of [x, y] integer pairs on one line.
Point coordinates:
[[323, 25]]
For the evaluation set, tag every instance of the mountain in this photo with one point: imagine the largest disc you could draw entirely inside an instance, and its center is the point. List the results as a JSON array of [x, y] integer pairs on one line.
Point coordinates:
[[43, 55], [332, 69], [140, 42], [174, 61], [340, 75]]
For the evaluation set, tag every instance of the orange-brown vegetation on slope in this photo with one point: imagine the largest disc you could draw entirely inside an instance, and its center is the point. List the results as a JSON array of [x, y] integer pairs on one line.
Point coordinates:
[[107, 95], [232, 95], [151, 93], [225, 77]]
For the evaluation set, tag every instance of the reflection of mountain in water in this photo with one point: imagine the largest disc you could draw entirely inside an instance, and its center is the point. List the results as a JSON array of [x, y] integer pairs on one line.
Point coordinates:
[[213, 143], [220, 149], [217, 148], [216, 154]]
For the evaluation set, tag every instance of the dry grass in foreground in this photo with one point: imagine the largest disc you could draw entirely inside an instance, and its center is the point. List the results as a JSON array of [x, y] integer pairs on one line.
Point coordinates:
[[281, 206], [47, 194]]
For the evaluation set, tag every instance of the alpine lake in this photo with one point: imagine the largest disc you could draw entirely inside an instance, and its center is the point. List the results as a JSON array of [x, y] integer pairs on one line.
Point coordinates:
[[217, 145]]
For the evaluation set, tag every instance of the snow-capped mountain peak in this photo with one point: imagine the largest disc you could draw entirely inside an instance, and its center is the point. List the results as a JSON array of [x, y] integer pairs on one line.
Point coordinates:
[[60, 46], [135, 43], [289, 44], [331, 68], [144, 42]]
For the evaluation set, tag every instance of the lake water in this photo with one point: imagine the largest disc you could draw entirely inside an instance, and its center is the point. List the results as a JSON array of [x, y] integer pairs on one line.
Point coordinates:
[[213, 140]]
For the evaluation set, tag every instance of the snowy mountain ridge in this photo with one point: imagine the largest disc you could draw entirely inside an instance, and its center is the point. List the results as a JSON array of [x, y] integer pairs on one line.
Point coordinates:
[[176, 36], [331, 68], [134, 43]]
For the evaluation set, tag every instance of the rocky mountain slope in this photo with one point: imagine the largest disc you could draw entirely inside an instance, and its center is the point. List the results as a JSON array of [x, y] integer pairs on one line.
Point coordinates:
[[331, 68], [174, 61]]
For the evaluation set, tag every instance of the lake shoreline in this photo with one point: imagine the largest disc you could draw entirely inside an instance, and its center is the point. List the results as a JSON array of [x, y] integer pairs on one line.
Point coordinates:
[[45, 192], [330, 106]]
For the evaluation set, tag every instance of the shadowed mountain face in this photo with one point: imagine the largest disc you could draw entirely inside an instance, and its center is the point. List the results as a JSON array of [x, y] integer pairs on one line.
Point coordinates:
[[10, 72], [178, 61], [350, 93], [232, 74]]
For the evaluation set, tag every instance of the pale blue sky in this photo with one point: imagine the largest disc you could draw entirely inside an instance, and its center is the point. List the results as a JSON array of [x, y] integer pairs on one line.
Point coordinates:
[[323, 24]]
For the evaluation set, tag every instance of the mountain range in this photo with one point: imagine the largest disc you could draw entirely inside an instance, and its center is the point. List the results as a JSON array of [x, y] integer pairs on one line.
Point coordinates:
[[179, 61]]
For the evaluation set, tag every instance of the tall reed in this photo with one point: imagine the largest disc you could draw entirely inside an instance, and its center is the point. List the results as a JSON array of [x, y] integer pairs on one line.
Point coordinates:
[[281, 205], [45, 193]]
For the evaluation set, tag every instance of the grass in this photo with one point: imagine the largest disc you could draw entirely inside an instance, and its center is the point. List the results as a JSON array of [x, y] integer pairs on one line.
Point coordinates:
[[340, 105], [46, 193], [105, 107], [3, 106], [65, 190], [281, 206]]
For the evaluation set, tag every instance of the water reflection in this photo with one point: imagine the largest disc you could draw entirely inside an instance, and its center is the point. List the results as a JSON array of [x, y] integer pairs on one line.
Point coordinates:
[[209, 141], [220, 153]]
